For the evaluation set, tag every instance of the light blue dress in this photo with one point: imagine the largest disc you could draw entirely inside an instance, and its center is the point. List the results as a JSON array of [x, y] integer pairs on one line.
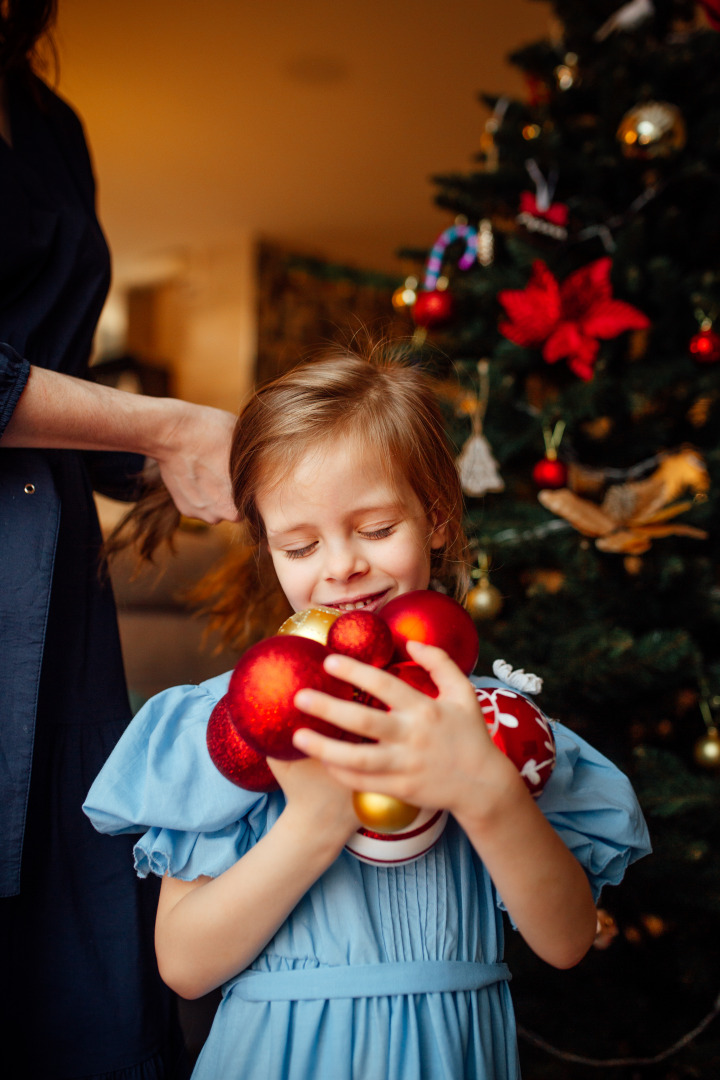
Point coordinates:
[[394, 973]]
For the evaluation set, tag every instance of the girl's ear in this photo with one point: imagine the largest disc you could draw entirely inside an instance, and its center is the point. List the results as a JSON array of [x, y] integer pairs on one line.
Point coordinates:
[[438, 536]]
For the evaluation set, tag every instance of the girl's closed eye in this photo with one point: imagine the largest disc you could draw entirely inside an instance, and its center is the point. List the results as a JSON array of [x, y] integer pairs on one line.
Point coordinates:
[[377, 534], [300, 553]]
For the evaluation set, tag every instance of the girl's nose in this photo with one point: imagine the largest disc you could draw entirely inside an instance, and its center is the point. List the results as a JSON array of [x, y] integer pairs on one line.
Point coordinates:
[[344, 562]]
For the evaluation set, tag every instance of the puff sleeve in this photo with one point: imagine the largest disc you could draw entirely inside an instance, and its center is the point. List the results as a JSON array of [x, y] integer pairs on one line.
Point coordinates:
[[591, 805], [160, 781]]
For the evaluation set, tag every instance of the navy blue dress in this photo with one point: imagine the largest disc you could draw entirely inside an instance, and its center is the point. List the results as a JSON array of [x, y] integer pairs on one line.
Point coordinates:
[[81, 993]]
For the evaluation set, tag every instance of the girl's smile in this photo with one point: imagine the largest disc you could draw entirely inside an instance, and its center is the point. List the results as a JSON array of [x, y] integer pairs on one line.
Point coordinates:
[[342, 533]]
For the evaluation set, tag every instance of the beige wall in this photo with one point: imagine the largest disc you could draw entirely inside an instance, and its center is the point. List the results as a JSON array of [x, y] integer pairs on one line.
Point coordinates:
[[195, 314]]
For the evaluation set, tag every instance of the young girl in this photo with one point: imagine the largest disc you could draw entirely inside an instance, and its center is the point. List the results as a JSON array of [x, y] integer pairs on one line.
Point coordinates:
[[333, 969]]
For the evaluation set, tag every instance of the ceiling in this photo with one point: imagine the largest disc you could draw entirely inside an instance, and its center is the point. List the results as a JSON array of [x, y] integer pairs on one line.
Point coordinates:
[[314, 123]]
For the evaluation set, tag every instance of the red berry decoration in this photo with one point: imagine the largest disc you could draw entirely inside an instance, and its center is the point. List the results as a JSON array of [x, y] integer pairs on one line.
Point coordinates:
[[522, 732], [362, 635], [435, 619], [550, 473], [705, 346], [432, 308], [232, 756], [263, 686]]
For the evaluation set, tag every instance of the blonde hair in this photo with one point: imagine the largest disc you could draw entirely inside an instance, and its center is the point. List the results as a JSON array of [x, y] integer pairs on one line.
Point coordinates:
[[383, 402]]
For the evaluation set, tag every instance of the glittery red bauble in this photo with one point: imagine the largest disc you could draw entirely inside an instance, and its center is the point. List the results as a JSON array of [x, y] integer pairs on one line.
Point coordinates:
[[432, 308], [705, 346], [263, 685], [550, 473], [521, 731], [232, 756], [362, 635], [435, 619]]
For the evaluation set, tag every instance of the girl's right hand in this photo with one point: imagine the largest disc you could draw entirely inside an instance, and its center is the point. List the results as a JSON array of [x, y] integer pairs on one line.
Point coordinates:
[[315, 799]]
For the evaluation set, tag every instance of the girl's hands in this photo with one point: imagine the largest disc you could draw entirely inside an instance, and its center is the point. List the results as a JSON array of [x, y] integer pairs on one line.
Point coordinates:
[[316, 800], [431, 752]]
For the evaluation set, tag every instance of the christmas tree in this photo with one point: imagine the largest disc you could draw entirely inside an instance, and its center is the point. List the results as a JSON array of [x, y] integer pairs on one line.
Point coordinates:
[[573, 302]]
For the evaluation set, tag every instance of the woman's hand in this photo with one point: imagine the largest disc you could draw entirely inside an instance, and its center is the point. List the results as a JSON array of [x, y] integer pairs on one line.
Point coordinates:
[[193, 458], [431, 752]]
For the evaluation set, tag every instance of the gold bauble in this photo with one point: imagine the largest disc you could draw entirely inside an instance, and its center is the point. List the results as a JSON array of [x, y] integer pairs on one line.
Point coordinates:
[[484, 601], [707, 750], [655, 129], [404, 297], [383, 813], [311, 623]]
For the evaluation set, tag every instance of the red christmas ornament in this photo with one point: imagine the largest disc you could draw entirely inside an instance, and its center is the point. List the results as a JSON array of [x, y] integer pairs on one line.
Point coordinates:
[[550, 473], [554, 213], [522, 732], [432, 308], [705, 346], [263, 686], [569, 319], [362, 635], [232, 756], [712, 10], [414, 676], [435, 619]]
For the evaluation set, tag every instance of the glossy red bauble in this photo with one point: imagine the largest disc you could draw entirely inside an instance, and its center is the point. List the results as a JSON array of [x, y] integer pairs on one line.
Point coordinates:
[[705, 346], [432, 308], [521, 731], [435, 619], [263, 686], [414, 676], [550, 473], [232, 756], [362, 635]]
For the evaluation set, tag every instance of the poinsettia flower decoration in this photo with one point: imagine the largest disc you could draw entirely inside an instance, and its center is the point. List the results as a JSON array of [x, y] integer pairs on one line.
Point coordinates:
[[568, 320]]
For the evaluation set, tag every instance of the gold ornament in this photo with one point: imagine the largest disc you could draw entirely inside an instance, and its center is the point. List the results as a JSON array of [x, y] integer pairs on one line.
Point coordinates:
[[311, 623], [566, 74], [484, 601], [383, 813], [655, 129], [707, 749], [406, 295]]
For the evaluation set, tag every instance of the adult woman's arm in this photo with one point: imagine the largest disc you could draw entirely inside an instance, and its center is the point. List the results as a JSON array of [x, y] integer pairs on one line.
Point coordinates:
[[191, 443]]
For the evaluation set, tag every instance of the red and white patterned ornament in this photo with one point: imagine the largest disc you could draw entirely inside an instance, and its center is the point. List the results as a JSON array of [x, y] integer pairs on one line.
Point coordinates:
[[392, 849], [521, 731]]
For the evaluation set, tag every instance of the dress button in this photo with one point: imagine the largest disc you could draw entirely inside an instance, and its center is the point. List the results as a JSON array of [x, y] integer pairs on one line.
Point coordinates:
[[29, 489]]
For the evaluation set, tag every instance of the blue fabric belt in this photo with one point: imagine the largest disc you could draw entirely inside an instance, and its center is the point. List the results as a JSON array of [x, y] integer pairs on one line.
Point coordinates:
[[367, 980]]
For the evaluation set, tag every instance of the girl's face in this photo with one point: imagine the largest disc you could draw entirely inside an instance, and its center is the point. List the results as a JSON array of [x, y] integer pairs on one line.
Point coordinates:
[[341, 535]]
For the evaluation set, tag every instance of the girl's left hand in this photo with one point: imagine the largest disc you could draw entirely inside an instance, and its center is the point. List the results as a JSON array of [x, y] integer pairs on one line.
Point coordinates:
[[431, 752]]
